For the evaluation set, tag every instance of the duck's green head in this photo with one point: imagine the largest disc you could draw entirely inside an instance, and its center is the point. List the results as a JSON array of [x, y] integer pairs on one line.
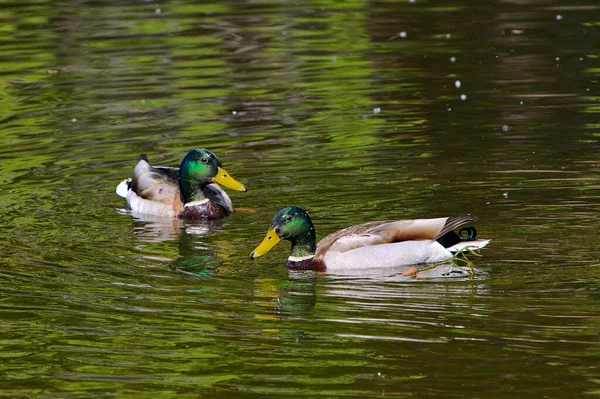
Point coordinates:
[[292, 224], [202, 166]]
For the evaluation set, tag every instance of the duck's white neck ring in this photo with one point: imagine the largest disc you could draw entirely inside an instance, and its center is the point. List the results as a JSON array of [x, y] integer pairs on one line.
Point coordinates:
[[300, 258]]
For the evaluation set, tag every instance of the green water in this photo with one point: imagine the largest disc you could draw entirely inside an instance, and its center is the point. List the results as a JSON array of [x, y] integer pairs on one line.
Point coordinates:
[[350, 110]]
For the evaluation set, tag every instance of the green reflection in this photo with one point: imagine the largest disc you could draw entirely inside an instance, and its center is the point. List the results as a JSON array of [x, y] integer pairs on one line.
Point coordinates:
[[97, 303]]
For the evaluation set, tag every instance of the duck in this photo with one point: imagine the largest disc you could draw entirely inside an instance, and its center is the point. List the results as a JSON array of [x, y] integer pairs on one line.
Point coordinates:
[[372, 245], [189, 192]]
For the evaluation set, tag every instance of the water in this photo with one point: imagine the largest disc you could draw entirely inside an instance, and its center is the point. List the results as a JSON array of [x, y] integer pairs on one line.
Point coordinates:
[[350, 110]]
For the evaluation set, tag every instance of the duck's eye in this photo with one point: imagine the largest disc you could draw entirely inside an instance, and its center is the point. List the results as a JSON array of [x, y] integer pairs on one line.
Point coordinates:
[[204, 160], [288, 219]]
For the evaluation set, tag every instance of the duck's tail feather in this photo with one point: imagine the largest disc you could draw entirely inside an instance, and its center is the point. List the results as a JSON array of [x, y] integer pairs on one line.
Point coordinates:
[[123, 187], [465, 246], [454, 222], [465, 239], [451, 237]]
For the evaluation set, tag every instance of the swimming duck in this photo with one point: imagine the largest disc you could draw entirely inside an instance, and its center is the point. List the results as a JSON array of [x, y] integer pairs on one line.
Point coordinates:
[[369, 245], [187, 192]]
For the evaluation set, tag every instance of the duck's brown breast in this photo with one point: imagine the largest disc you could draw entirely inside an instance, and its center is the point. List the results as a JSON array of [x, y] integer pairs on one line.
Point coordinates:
[[209, 211]]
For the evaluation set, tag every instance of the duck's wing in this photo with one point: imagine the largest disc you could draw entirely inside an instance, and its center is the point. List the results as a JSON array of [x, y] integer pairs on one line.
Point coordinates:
[[155, 183], [386, 232], [215, 194]]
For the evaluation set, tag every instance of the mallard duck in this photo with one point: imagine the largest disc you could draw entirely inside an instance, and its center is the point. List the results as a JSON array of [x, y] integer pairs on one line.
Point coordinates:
[[369, 245], [187, 192]]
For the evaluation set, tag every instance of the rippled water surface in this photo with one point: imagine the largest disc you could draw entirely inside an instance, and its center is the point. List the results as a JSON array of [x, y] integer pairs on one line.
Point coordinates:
[[354, 110]]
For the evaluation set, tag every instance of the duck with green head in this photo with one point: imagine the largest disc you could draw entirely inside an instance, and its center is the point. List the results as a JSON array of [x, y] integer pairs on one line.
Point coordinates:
[[191, 191], [370, 245]]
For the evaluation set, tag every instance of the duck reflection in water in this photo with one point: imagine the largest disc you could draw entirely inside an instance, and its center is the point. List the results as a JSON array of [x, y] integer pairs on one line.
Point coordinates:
[[155, 229], [191, 254]]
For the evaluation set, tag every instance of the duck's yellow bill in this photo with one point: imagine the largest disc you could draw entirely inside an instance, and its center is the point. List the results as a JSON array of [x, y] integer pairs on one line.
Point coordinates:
[[225, 179], [267, 243]]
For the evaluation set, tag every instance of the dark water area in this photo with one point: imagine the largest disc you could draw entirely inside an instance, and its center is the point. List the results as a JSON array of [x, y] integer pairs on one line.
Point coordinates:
[[355, 111]]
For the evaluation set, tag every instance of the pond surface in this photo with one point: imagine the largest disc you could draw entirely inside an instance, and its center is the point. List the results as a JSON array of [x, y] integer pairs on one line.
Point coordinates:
[[355, 111]]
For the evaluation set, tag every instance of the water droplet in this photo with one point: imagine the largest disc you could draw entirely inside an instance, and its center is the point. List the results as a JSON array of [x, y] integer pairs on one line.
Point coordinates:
[[448, 35], [449, 109], [233, 112], [457, 84], [463, 97], [521, 102], [376, 110], [559, 17], [505, 128], [557, 59], [412, 1], [453, 59], [74, 120], [402, 34]]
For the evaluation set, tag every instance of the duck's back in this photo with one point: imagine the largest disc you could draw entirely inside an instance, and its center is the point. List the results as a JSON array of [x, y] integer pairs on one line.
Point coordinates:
[[154, 190], [159, 184], [386, 232], [388, 243]]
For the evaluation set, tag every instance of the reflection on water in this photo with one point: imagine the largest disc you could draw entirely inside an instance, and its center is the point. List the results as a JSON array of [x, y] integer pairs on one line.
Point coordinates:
[[152, 228], [390, 274], [350, 110]]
